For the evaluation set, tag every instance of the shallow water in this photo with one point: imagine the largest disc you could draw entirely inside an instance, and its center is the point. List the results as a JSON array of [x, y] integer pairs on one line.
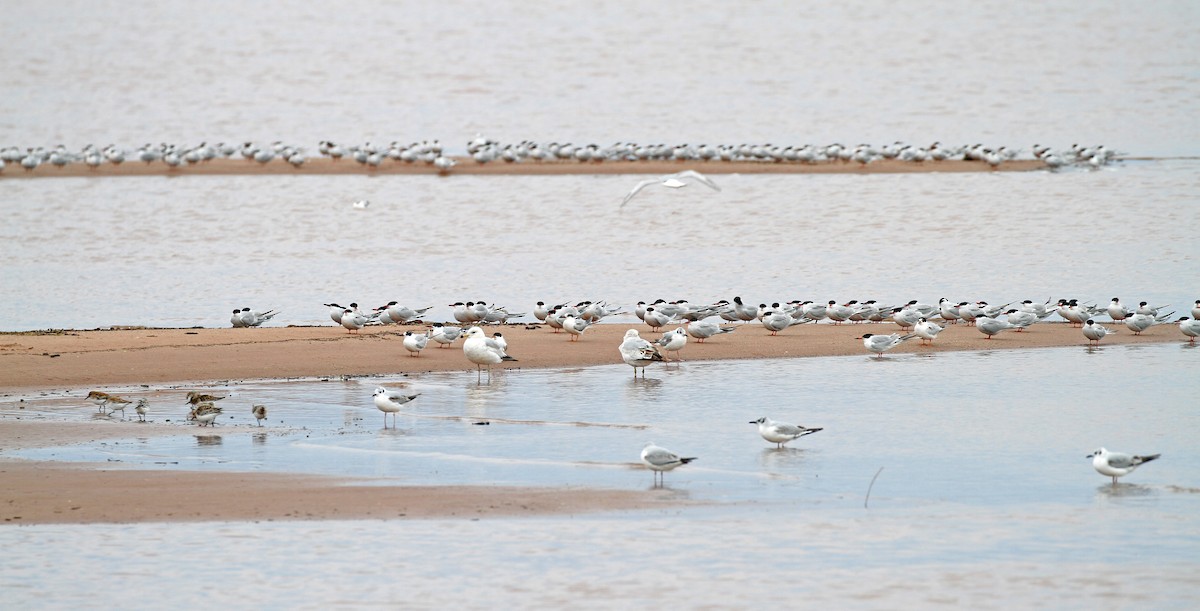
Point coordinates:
[[985, 498], [984, 488], [185, 252]]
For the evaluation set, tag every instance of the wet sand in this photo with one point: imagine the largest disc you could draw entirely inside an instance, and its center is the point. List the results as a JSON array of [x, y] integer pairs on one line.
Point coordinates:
[[57, 492], [466, 165]]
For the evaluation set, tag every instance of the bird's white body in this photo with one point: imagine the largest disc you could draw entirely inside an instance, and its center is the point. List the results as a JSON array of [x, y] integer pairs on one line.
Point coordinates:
[[882, 343], [415, 342], [926, 330], [1190, 327], [483, 350], [637, 352], [660, 459], [1117, 464], [444, 335], [389, 402], [673, 341], [1095, 332], [672, 181], [780, 433]]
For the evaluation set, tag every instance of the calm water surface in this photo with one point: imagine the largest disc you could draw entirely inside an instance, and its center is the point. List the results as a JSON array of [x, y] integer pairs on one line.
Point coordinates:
[[985, 490], [985, 498]]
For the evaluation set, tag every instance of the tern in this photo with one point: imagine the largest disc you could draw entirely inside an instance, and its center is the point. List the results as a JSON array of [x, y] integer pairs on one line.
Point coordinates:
[[780, 433], [926, 330], [1095, 332], [1116, 464], [661, 460], [414, 343], [1190, 327], [444, 335], [705, 329], [672, 181], [990, 326], [1140, 322], [882, 343]]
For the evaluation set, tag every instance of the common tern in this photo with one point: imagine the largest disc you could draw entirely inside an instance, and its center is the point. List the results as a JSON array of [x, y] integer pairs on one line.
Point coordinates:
[[444, 335], [882, 343], [1190, 327], [927, 331], [705, 329], [990, 326], [1095, 332], [414, 343]]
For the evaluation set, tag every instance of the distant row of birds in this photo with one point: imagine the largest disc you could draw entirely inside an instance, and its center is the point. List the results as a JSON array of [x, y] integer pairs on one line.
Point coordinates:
[[203, 409], [485, 150]]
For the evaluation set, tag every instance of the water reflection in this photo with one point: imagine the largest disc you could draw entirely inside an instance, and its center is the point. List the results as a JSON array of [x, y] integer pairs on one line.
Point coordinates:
[[209, 440], [1124, 490], [259, 439]]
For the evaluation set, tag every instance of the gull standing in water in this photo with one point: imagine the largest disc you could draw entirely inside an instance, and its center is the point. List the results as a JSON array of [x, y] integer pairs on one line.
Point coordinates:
[[1116, 464], [661, 460], [389, 402], [482, 350], [671, 181], [637, 352], [780, 433]]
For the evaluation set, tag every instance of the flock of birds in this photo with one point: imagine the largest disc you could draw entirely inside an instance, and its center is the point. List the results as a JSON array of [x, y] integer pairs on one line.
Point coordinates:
[[481, 150], [917, 320], [203, 409]]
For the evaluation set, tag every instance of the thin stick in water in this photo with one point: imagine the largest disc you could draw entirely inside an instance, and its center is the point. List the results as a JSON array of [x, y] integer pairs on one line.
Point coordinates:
[[868, 498]]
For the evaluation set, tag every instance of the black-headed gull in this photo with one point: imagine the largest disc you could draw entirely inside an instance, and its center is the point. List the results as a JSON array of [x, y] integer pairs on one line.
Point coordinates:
[[780, 433], [483, 350], [1095, 332], [637, 352], [660, 460], [673, 341], [882, 343], [1117, 464], [389, 402], [672, 181]]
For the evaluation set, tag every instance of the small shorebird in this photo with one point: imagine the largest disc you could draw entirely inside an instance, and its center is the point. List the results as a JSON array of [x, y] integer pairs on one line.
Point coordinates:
[[780, 433], [117, 404], [204, 413], [99, 398], [195, 398], [259, 412], [1116, 464], [140, 408]]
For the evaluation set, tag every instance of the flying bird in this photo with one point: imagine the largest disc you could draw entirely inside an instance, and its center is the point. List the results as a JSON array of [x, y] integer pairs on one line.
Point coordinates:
[[671, 181]]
